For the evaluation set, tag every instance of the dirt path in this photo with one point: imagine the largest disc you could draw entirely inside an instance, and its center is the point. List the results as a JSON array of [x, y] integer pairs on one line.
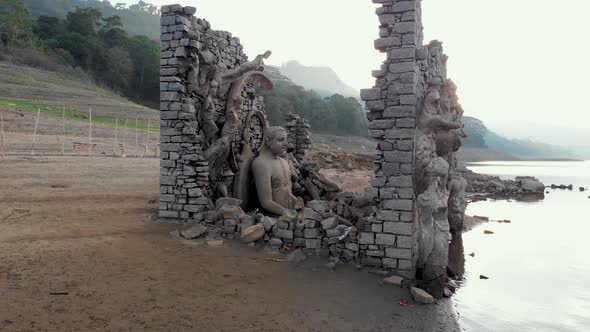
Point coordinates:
[[85, 226]]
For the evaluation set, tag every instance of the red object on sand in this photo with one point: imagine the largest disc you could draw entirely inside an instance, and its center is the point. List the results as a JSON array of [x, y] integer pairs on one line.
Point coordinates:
[[405, 303]]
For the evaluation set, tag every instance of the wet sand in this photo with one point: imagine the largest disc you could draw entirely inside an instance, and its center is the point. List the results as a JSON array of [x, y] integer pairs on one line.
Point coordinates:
[[85, 227]]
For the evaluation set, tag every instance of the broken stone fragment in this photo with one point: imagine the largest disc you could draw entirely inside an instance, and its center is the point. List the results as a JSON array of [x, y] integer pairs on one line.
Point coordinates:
[[421, 296], [394, 280], [223, 201], [318, 206], [268, 223], [275, 242], [231, 212], [329, 223], [175, 235], [252, 233], [447, 292], [194, 232]]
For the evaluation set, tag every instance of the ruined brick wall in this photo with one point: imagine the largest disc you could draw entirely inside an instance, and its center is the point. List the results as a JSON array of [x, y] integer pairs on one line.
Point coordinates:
[[184, 172], [298, 135], [407, 144]]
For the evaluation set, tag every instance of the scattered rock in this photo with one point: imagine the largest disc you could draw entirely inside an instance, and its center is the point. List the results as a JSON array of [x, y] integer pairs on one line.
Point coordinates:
[[318, 206], [421, 296], [394, 280], [268, 223], [175, 235], [452, 285], [582, 189], [289, 216], [296, 256], [472, 254], [447, 292], [223, 201], [252, 233], [488, 232], [483, 277], [231, 212], [194, 232], [215, 243], [329, 223], [481, 218], [275, 242], [331, 266]]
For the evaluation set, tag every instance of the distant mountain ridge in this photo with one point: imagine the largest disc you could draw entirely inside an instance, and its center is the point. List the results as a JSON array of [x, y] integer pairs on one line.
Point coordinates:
[[480, 137], [322, 80]]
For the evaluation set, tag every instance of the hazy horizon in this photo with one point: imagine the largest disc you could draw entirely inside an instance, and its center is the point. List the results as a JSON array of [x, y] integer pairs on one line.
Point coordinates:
[[510, 59]]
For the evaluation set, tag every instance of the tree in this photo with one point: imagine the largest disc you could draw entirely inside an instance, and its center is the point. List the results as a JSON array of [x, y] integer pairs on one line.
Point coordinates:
[[15, 25], [47, 27], [119, 69], [84, 21]]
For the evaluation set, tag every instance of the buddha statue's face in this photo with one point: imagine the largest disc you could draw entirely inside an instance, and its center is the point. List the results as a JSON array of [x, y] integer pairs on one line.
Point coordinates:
[[277, 143]]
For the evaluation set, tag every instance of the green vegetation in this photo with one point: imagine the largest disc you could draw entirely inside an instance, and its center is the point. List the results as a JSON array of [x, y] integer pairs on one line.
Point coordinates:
[[15, 26], [333, 115], [139, 19], [102, 40], [76, 114]]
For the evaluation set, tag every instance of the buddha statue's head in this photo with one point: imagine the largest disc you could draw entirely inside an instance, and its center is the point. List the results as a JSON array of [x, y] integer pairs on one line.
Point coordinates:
[[276, 141]]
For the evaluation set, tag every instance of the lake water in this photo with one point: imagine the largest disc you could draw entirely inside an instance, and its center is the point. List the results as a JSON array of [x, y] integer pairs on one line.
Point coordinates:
[[539, 264]]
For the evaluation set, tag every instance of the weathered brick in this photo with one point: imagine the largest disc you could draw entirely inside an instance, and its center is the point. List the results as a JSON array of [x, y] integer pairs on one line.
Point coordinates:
[[370, 94], [398, 253], [385, 239], [398, 156], [401, 181], [398, 204], [399, 228], [367, 238]]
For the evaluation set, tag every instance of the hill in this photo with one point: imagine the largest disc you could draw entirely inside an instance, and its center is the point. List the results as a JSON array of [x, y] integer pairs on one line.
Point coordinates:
[[480, 138], [142, 18], [29, 88], [322, 80]]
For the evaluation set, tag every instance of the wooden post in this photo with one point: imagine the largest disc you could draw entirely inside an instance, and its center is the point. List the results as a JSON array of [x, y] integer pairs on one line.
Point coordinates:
[[63, 141], [90, 131], [147, 139], [124, 137], [35, 131], [116, 132], [1, 136]]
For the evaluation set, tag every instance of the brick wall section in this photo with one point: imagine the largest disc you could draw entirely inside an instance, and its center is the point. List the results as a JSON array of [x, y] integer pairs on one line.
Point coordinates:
[[184, 173], [298, 135], [390, 239]]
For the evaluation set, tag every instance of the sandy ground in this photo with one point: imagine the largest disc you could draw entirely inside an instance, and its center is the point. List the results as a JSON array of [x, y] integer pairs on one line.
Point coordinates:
[[84, 227]]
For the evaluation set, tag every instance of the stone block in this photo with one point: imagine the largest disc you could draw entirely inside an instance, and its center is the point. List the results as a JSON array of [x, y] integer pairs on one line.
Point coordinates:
[[168, 115], [377, 228], [402, 67], [405, 27], [398, 156], [375, 253], [351, 246], [168, 20], [399, 228], [406, 217], [169, 214], [387, 215], [389, 263], [399, 204], [195, 192], [406, 242], [190, 10], [398, 89], [385, 239], [283, 233], [366, 238], [405, 265], [169, 147], [407, 193], [375, 105], [370, 94], [404, 6], [313, 244], [381, 124], [398, 253], [399, 133], [312, 233], [408, 100], [311, 214], [402, 181], [329, 223], [390, 169], [195, 208], [400, 111], [388, 42], [387, 19], [402, 53]]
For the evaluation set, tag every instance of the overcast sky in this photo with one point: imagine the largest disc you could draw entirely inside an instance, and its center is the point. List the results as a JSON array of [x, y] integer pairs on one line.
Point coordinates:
[[514, 61]]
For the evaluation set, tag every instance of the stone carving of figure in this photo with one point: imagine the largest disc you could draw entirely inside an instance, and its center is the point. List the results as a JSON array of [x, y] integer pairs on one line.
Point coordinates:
[[434, 227], [272, 174]]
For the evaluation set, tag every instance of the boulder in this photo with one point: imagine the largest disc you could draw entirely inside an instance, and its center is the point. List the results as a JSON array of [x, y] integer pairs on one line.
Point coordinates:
[[194, 232], [421, 296], [531, 184], [252, 233], [268, 223], [329, 223]]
